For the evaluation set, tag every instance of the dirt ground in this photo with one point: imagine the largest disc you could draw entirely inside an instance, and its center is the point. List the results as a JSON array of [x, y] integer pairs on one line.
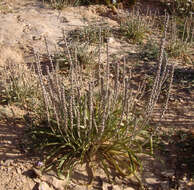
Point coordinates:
[[23, 26]]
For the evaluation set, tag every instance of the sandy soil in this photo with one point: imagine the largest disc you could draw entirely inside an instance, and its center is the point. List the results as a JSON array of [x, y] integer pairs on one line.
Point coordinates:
[[23, 26]]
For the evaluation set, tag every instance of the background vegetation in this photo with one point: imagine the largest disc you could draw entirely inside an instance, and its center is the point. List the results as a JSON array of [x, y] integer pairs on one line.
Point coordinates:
[[81, 110]]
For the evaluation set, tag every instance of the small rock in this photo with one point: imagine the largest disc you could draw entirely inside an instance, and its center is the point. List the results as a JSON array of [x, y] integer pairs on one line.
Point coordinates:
[[119, 187], [27, 186], [59, 184], [36, 38], [168, 173], [18, 170], [37, 180], [165, 185], [63, 20], [55, 182], [146, 59], [6, 112], [107, 186], [44, 186], [151, 180], [110, 39], [129, 188], [141, 62], [8, 163], [133, 51], [37, 172], [115, 187]]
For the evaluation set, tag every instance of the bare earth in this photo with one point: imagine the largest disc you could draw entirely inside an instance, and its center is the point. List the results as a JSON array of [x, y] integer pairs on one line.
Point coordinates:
[[23, 26]]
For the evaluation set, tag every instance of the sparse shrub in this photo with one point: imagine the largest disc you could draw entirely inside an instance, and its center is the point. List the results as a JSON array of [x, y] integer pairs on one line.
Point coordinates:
[[60, 4], [180, 7], [150, 51], [85, 56], [181, 37], [177, 48], [135, 27], [90, 34], [184, 28], [20, 85]]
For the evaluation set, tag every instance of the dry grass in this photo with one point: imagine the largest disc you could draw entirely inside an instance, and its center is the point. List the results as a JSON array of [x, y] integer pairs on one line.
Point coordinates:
[[77, 118]]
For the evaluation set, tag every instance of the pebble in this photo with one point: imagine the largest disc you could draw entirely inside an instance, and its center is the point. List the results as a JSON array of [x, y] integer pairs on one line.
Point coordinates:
[[18, 170], [44, 186]]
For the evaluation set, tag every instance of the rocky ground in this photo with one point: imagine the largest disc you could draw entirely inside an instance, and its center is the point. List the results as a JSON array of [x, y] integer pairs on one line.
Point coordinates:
[[23, 28]]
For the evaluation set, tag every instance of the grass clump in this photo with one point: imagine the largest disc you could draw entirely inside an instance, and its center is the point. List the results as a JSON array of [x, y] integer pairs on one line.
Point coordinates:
[[86, 59], [20, 86], [181, 37], [180, 7], [95, 122], [133, 29], [135, 26], [84, 54], [177, 49], [91, 34], [150, 51], [88, 124], [60, 4]]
